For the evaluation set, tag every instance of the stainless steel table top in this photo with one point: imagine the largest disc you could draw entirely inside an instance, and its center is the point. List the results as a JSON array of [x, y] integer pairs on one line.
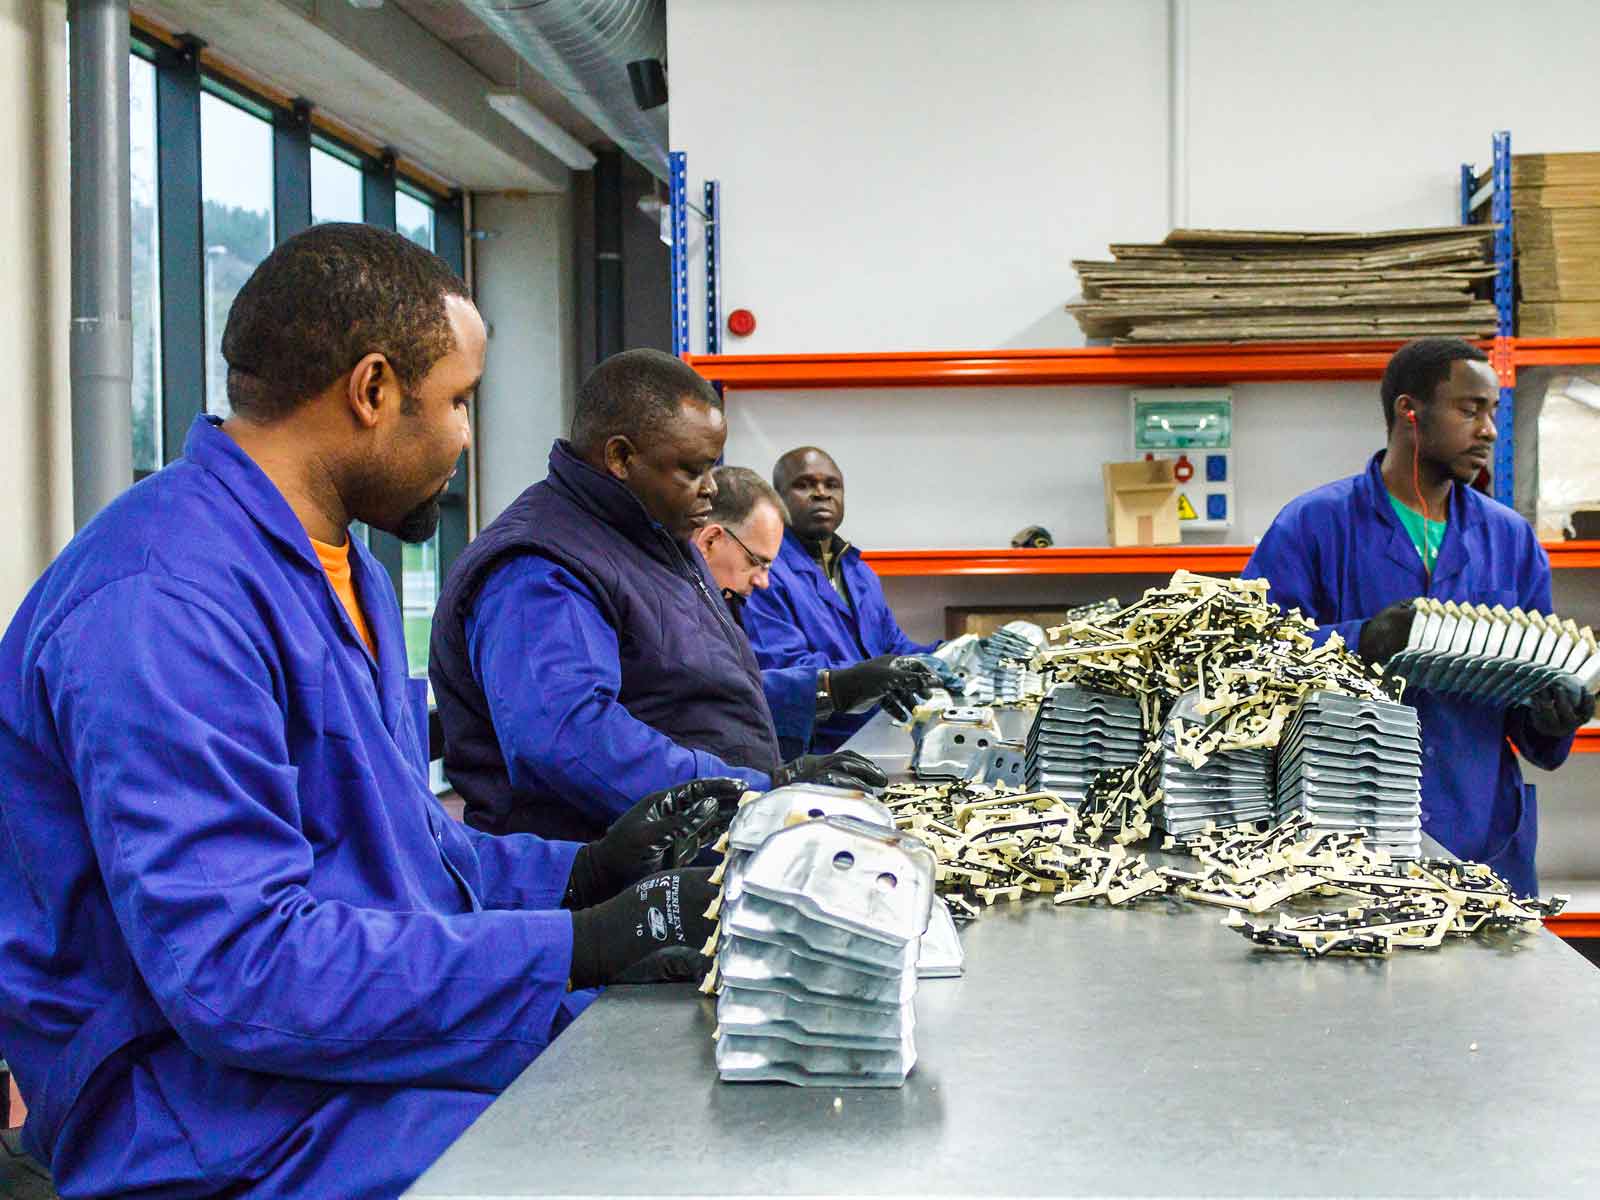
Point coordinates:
[[1096, 1052]]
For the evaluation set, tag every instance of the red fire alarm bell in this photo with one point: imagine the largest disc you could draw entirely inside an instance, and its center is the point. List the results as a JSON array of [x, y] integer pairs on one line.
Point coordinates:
[[741, 322]]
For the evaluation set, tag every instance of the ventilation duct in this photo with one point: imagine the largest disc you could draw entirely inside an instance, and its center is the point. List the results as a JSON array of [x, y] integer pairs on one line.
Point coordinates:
[[583, 47]]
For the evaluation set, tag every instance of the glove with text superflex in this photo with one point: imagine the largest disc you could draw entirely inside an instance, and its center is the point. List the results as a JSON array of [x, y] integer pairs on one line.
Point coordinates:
[[844, 768], [652, 932], [664, 830]]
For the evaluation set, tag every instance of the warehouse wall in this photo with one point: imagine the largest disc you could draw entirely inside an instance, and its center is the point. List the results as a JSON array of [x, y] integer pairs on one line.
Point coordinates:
[[909, 175], [526, 280], [35, 456]]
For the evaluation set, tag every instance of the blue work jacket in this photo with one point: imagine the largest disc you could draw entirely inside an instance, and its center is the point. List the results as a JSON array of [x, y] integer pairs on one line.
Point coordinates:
[[791, 694], [1340, 555], [244, 948], [801, 621]]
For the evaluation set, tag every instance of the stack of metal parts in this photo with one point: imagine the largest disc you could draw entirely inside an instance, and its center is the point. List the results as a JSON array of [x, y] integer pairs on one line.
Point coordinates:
[[1077, 734], [1354, 764], [1230, 788], [953, 742], [816, 950], [1494, 655], [1006, 658]]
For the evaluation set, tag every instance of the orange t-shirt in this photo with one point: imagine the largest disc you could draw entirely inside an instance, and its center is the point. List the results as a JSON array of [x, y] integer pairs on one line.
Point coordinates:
[[336, 562]]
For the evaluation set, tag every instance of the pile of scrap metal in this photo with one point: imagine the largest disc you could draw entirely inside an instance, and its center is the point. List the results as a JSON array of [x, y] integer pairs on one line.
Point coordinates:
[[993, 844], [1248, 662]]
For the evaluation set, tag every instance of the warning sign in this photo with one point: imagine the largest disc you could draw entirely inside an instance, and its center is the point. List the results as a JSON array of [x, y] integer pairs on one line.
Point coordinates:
[[1186, 510]]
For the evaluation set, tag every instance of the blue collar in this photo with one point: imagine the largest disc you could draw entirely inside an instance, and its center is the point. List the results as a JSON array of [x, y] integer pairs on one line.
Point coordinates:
[[609, 502], [1466, 513], [794, 554], [213, 450]]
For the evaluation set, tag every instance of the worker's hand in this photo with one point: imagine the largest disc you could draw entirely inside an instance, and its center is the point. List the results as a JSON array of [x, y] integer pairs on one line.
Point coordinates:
[[1560, 707], [844, 769], [652, 932], [1386, 634], [914, 683], [664, 830], [895, 681]]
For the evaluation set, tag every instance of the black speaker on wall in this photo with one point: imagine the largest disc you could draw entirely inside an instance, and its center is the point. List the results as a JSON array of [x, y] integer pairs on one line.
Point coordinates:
[[649, 79]]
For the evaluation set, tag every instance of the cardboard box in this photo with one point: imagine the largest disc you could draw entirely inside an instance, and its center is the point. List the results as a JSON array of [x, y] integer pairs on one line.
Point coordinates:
[[1141, 503]]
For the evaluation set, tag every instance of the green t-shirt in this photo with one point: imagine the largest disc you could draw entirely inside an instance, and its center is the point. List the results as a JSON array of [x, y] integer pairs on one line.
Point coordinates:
[[1426, 535]]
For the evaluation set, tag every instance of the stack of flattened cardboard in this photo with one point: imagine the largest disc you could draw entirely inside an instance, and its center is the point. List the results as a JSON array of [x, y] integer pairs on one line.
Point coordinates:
[[1555, 202], [1203, 285]]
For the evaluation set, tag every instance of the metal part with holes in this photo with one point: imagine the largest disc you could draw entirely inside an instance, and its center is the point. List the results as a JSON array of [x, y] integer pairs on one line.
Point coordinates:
[[950, 746]]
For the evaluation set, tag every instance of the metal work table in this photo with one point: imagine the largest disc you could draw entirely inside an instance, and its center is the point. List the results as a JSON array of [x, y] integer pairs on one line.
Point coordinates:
[[1095, 1052]]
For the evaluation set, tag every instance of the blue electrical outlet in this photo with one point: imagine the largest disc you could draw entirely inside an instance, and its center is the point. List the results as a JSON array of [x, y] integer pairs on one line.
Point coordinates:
[[1216, 468], [1216, 506]]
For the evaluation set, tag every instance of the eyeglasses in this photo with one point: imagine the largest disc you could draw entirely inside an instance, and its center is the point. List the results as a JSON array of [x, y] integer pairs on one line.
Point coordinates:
[[756, 561]]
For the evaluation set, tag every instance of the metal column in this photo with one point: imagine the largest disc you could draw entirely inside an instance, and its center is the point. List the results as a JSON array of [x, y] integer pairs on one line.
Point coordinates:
[[609, 329], [1505, 301], [102, 258], [713, 267], [677, 171], [1497, 192]]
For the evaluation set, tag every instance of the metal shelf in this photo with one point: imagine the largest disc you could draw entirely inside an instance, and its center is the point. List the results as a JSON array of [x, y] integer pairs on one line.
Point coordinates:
[[1121, 560], [1283, 362]]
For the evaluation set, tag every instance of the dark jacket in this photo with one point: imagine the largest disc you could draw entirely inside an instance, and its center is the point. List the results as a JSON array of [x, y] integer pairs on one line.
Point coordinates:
[[616, 667]]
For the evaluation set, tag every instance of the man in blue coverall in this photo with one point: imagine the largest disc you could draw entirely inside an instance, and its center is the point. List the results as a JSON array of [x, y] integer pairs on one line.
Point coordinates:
[[245, 951], [580, 649], [1352, 556], [739, 541], [825, 607]]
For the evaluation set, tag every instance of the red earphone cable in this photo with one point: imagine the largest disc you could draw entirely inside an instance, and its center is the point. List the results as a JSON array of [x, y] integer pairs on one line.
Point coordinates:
[[1416, 483]]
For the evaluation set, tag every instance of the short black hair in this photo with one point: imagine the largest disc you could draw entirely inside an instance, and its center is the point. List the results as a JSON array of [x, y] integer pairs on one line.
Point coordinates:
[[1419, 367], [783, 470], [323, 300], [634, 394], [739, 490]]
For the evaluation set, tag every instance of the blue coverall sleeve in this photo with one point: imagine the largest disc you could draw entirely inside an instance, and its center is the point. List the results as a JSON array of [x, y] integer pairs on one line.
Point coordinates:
[[1533, 588], [792, 696], [548, 662], [520, 870], [176, 726], [776, 636], [1286, 559]]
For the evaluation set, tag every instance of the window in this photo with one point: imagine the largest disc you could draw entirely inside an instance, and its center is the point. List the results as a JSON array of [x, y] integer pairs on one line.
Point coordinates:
[[335, 188], [146, 268], [414, 218], [223, 173], [236, 189], [420, 566]]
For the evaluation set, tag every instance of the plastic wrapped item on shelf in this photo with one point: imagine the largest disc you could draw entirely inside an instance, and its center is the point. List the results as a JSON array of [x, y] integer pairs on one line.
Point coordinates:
[[1493, 655], [951, 745]]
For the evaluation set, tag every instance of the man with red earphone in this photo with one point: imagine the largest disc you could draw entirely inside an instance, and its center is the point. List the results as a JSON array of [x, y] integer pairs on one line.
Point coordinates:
[[1354, 554]]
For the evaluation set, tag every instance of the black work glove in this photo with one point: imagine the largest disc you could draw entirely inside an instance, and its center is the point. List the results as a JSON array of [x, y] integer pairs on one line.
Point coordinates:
[[899, 682], [845, 769], [1560, 707], [664, 830], [1386, 634], [652, 932]]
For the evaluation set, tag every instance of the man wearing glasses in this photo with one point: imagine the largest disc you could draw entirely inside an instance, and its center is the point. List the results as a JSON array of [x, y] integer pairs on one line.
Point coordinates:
[[580, 647], [739, 542]]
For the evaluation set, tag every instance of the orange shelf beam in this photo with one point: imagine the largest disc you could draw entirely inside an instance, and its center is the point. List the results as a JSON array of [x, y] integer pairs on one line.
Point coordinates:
[[1061, 560], [1587, 740], [1574, 925], [1121, 560], [1103, 365], [1080, 366]]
